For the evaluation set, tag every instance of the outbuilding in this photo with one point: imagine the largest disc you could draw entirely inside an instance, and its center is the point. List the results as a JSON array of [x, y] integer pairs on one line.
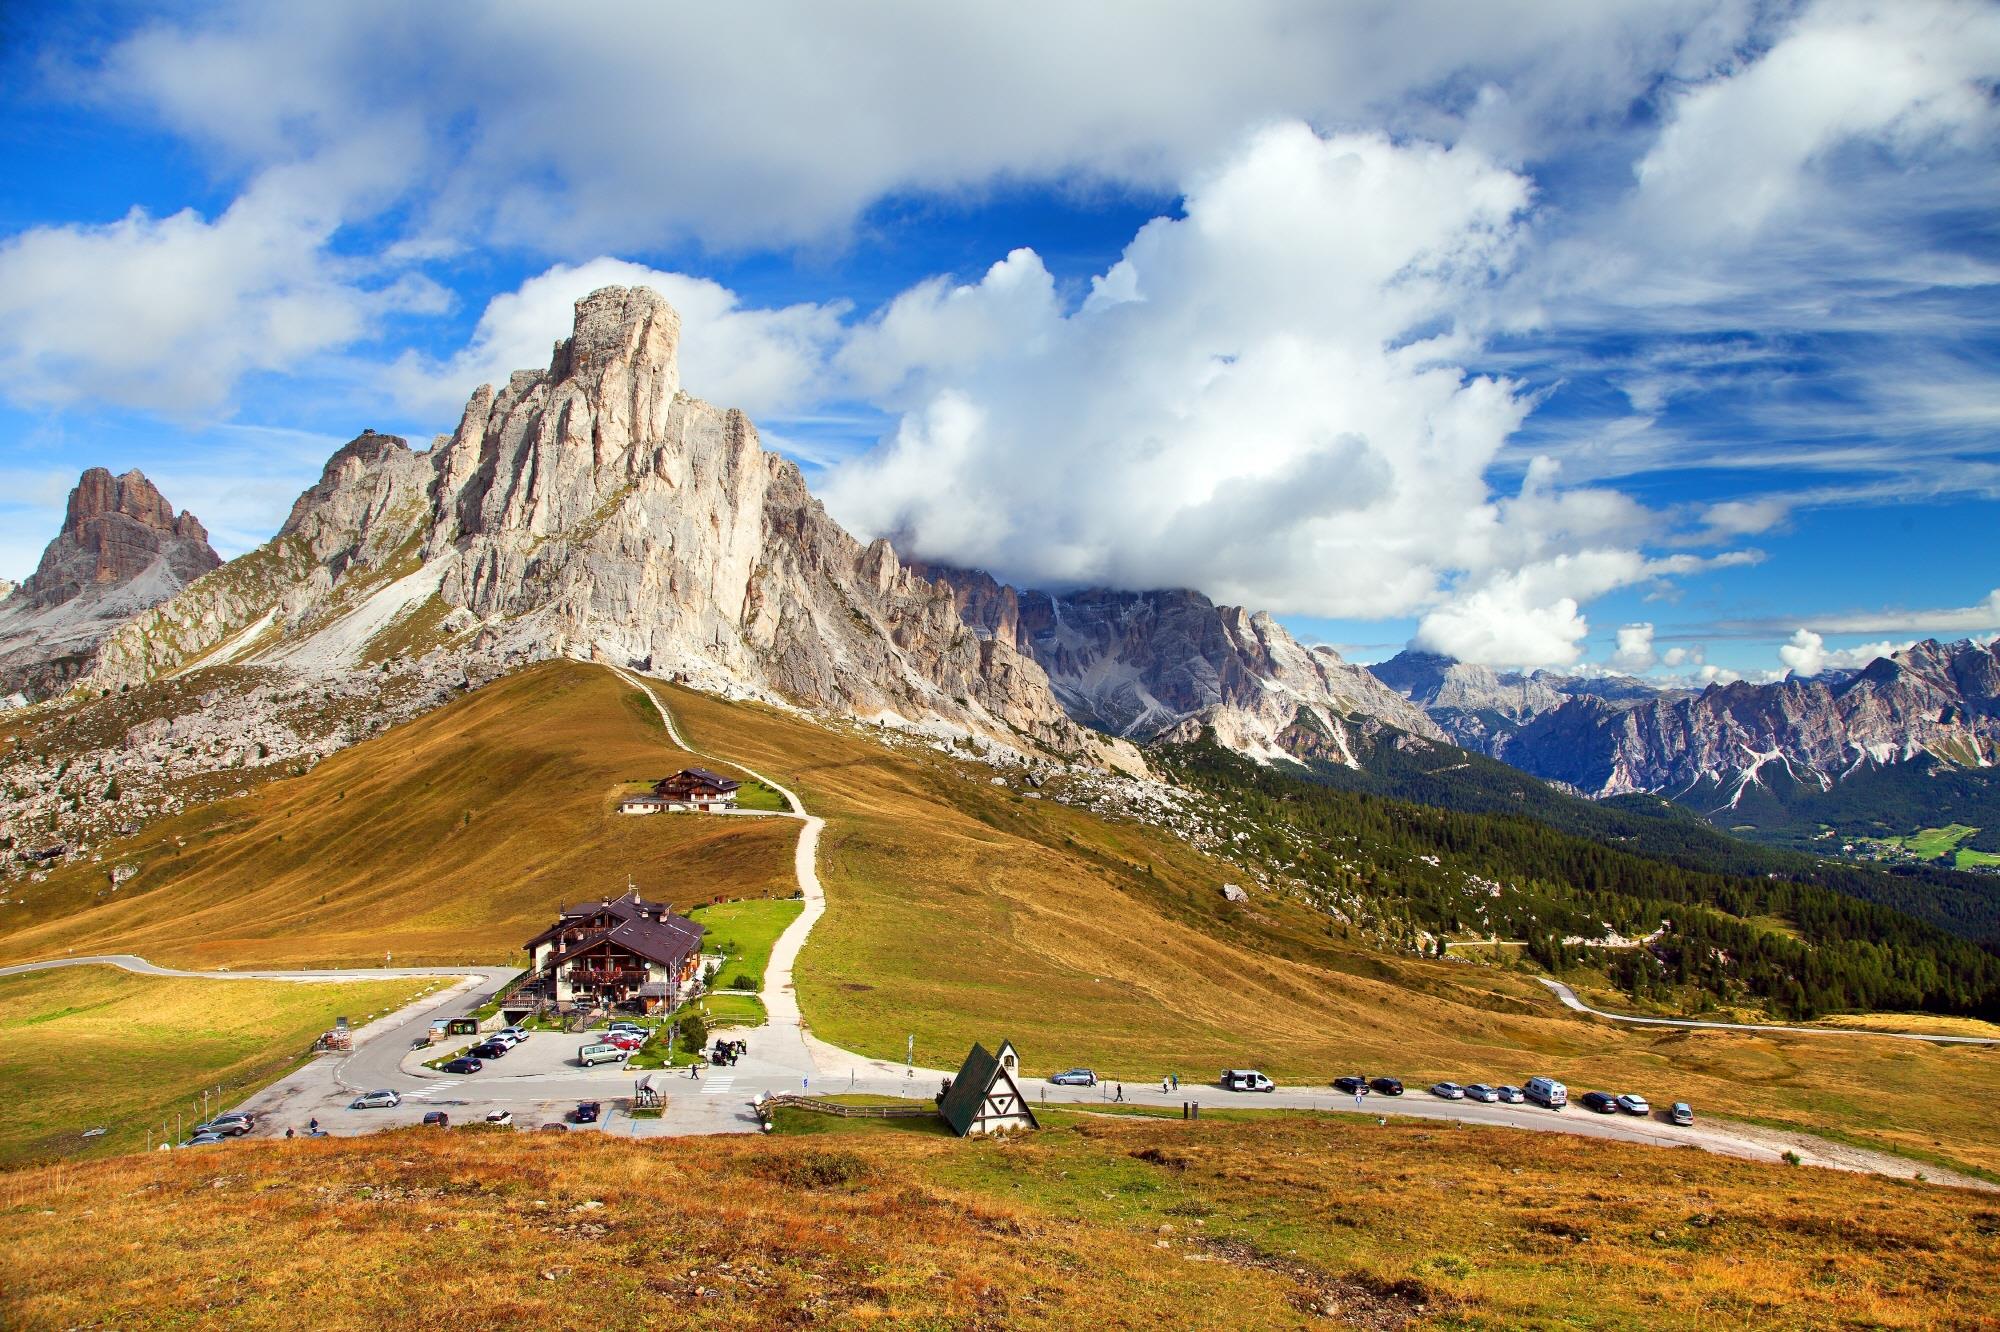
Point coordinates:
[[986, 1096]]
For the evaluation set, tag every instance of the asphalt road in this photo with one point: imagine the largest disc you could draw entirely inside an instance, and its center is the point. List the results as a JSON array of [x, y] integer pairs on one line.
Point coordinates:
[[1571, 1002], [539, 1081]]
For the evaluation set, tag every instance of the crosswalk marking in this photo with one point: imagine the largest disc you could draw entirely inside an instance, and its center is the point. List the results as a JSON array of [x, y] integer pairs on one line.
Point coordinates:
[[428, 1090], [717, 1084]]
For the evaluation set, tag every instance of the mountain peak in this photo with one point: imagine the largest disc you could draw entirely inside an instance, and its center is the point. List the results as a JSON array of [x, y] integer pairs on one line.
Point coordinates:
[[121, 550], [114, 530], [621, 330]]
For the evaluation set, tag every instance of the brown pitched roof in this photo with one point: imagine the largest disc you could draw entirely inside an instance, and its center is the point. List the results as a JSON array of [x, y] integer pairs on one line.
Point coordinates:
[[667, 942], [628, 907]]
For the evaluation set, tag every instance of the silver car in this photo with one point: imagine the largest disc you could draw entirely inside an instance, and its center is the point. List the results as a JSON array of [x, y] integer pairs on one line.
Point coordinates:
[[381, 1099], [1634, 1105], [1448, 1091], [1682, 1114], [1512, 1095], [1479, 1091]]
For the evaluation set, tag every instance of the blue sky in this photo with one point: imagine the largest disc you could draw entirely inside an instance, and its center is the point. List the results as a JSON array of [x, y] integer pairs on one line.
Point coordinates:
[[1657, 337]]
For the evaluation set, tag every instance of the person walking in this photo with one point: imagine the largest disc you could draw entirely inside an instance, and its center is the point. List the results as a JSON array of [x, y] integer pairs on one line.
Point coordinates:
[[1166, 1084], [1121, 1093]]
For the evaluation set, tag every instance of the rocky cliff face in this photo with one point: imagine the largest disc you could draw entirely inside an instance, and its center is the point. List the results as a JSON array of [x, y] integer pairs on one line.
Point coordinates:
[[1934, 698], [1143, 665], [1480, 708], [594, 509], [122, 549]]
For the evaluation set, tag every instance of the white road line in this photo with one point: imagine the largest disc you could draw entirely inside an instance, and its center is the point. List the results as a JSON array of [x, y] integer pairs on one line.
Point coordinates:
[[717, 1086]]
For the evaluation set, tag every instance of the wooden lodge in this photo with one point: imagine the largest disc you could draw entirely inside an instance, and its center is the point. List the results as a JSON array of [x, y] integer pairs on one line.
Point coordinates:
[[624, 952], [698, 788], [986, 1097]]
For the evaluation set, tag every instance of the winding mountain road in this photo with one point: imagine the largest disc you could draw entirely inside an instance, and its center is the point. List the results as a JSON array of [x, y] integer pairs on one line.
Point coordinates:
[[1571, 1002], [539, 1080]]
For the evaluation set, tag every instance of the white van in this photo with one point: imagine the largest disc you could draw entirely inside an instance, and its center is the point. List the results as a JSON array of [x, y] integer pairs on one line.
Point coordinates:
[[599, 1053], [1548, 1092], [1246, 1079]]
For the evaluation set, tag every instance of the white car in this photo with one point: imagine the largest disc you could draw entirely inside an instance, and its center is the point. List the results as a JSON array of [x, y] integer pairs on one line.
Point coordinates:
[[1634, 1105], [509, 1039], [381, 1099], [504, 1118], [1479, 1091], [1448, 1091]]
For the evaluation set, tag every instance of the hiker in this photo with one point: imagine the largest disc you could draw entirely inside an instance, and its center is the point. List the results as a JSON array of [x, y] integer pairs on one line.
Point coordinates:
[[1164, 1087], [1177, 1082], [1121, 1093], [289, 1131], [313, 1124]]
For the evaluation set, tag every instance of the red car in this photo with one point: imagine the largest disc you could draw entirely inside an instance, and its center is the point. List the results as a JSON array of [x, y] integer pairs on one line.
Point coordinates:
[[625, 1040]]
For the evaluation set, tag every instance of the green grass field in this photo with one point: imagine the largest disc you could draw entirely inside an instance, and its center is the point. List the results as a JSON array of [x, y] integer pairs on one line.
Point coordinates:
[[753, 794], [90, 1046], [1934, 843], [744, 932], [449, 839]]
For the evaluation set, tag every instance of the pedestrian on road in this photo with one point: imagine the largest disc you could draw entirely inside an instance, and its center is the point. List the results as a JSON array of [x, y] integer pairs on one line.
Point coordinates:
[[694, 1071], [1165, 1086], [1177, 1082], [1121, 1093]]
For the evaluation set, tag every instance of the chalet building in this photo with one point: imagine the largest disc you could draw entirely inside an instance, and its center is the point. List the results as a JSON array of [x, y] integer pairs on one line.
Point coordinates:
[[622, 952], [698, 788], [644, 804], [986, 1097]]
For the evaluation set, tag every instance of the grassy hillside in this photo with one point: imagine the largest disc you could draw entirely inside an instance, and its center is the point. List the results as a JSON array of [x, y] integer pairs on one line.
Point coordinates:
[[449, 839], [959, 911], [89, 1046], [1094, 1222]]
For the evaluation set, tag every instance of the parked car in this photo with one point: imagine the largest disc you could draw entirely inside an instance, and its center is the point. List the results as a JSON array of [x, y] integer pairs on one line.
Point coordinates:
[[1633, 1104], [1349, 1084], [1074, 1077], [1604, 1103], [599, 1052], [1682, 1114], [509, 1039], [381, 1099], [224, 1128], [1449, 1091], [204, 1140], [586, 1112], [464, 1064], [436, 1119], [1479, 1091], [504, 1118], [1547, 1092], [238, 1116], [623, 1025], [518, 1033], [1388, 1086], [625, 1040], [1246, 1079], [1511, 1096], [488, 1050]]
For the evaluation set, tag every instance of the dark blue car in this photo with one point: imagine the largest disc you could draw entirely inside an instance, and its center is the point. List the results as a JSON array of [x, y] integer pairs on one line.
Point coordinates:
[[464, 1064]]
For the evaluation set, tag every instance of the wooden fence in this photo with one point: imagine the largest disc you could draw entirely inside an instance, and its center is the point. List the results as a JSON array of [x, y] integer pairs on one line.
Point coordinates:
[[843, 1110]]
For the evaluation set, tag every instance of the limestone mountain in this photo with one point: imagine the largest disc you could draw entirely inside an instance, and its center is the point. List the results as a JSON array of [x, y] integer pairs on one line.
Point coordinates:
[[1480, 708], [1147, 665], [1932, 700], [122, 549], [595, 509]]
